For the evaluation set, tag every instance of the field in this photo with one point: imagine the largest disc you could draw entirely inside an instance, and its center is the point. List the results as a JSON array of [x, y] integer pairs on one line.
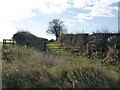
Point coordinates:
[[26, 67]]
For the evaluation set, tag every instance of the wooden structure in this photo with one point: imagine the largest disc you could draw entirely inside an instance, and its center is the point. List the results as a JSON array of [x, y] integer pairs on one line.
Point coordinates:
[[8, 42]]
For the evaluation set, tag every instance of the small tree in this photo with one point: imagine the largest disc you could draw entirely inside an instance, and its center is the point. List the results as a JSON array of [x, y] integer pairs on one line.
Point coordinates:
[[56, 27]]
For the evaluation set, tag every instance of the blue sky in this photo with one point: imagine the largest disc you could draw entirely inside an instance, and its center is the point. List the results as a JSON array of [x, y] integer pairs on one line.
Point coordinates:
[[78, 16]]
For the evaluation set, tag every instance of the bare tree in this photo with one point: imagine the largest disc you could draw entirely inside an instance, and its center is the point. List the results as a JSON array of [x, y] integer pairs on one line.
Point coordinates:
[[56, 27]]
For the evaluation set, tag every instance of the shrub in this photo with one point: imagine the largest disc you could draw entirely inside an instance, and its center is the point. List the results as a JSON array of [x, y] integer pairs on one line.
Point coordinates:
[[13, 53], [30, 40], [112, 56]]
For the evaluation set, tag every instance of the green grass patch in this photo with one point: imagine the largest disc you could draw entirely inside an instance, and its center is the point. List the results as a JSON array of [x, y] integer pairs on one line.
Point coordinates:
[[52, 45], [11, 53], [54, 49], [79, 59]]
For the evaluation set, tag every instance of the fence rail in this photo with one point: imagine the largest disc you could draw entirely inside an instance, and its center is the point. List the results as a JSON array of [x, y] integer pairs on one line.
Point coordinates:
[[8, 42]]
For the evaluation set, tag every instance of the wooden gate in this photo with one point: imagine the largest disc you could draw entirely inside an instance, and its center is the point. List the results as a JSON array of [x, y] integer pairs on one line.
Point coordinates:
[[8, 42]]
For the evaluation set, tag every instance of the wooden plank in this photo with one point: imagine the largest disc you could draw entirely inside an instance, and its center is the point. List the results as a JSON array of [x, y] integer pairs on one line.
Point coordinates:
[[9, 42]]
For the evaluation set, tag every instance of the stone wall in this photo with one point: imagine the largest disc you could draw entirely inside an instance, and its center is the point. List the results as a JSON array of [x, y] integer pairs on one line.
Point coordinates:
[[97, 41]]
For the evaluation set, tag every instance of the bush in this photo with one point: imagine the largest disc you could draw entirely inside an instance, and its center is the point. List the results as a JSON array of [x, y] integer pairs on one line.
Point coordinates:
[[11, 53], [112, 57], [30, 40]]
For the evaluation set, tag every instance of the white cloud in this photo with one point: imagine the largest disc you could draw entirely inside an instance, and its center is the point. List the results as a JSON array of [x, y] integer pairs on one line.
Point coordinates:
[[53, 6], [15, 10], [69, 23], [97, 8], [83, 3], [18, 9], [71, 12], [102, 8], [6, 30], [83, 17]]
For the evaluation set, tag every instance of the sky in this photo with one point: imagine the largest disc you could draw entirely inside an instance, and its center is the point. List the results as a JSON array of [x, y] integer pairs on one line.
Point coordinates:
[[79, 16]]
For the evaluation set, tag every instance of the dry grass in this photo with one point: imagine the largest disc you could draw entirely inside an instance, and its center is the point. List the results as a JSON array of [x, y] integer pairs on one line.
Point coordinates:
[[39, 70]]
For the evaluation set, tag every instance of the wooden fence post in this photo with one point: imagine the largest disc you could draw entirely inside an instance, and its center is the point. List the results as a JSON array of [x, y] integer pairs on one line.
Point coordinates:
[[9, 42]]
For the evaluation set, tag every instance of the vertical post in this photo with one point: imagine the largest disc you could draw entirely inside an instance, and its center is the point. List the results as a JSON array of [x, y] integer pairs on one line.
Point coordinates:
[[3, 42], [10, 42], [115, 46], [44, 46], [89, 49], [13, 43]]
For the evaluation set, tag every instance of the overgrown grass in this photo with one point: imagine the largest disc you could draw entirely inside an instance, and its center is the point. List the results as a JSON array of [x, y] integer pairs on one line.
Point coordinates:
[[41, 70], [11, 53], [80, 58], [54, 50]]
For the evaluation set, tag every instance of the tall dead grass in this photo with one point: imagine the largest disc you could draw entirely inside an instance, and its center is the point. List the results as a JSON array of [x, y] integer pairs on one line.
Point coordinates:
[[40, 70]]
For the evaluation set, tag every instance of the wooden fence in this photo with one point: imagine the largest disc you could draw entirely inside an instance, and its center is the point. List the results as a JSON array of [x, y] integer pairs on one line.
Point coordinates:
[[8, 42]]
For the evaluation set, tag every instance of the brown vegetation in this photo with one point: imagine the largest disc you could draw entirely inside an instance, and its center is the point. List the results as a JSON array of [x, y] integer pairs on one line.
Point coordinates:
[[38, 70]]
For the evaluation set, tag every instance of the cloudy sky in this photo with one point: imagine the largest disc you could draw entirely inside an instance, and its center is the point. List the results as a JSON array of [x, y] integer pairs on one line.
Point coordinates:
[[78, 16]]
